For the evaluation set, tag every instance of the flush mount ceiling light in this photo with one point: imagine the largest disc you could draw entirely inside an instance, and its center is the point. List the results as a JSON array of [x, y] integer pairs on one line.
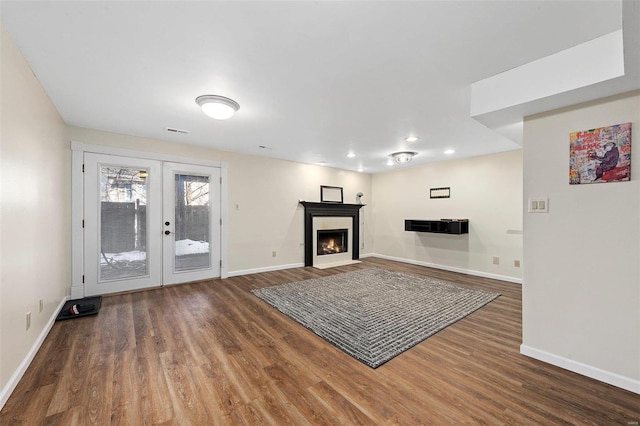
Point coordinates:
[[217, 107], [403, 156], [412, 139]]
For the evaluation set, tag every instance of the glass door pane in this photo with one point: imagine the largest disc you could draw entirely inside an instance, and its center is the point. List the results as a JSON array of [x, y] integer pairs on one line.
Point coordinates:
[[123, 222], [192, 219]]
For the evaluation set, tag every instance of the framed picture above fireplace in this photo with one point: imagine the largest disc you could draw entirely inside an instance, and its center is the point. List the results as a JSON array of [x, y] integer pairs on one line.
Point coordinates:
[[331, 194]]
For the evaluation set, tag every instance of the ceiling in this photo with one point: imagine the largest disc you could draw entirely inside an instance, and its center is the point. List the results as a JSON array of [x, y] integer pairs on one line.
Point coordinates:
[[315, 80]]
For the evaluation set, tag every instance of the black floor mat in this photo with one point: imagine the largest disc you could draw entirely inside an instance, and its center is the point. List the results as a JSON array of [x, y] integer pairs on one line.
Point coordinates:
[[88, 306]]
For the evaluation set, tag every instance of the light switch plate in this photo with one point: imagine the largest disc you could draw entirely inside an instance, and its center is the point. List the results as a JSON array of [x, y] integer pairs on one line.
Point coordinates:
[[538, 205]]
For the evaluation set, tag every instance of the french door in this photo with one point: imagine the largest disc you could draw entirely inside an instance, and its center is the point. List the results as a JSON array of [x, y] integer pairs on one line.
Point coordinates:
[[191, 227], [148, 223]]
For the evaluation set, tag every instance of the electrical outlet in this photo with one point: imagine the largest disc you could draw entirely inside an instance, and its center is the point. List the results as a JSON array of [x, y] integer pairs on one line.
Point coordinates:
[[273, 253], [28, 320], [496, 260], [516, 263], [41, 306]]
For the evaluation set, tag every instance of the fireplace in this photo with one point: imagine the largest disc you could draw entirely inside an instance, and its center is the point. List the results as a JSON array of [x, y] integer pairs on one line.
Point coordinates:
[[331, 217], [332, 241]]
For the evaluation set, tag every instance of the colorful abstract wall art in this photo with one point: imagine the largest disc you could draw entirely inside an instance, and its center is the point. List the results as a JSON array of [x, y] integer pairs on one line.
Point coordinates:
[[600, 155]]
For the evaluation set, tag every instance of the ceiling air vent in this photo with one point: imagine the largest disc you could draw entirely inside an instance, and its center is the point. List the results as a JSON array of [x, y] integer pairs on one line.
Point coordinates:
[[173, 130]]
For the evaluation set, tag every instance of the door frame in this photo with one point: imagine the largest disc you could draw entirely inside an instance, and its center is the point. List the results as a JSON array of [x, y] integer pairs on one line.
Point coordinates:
[[78, 150]]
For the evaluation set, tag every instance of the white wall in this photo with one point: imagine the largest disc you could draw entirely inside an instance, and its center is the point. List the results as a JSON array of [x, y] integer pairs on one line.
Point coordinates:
[[264, 214], [35, 211], [581, 293], [35, 216], [487, 190]]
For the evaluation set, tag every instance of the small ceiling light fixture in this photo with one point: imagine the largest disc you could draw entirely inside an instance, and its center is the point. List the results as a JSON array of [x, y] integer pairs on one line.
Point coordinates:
[[351, 154], [450, 151], [412, 139], [403, 156], [217, 107]]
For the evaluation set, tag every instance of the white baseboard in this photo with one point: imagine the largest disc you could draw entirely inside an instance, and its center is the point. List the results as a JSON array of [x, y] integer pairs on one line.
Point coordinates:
[[632, 385], [22, 368], [265, 269], [382, 256], [448, 268]]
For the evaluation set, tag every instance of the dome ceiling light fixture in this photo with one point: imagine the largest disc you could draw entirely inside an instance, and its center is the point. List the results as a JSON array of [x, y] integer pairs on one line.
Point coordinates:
[[217, 107], [403, 157]]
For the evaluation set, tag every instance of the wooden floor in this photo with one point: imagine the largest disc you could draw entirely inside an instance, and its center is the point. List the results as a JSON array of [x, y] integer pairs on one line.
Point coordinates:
[[212, 353]]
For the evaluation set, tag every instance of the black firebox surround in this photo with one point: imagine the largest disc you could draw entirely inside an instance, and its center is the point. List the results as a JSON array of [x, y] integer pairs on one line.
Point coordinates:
[[312, 210]]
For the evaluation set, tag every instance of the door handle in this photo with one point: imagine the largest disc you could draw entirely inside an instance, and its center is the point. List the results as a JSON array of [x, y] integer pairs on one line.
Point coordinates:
[[168, 232]]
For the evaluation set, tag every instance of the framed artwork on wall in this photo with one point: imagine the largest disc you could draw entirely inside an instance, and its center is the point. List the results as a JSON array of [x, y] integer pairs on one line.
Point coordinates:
[[331, 194], [444, 192], [600, 155]]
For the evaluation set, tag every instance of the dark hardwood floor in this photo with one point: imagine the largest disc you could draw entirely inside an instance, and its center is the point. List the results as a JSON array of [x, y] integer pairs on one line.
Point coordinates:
[[212, 353]]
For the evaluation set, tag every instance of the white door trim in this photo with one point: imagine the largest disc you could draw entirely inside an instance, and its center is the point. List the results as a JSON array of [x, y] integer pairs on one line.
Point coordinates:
[[77, 204], [103, 149]]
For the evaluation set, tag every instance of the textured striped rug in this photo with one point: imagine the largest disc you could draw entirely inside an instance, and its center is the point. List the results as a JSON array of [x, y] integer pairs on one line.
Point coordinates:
[[374, 314]]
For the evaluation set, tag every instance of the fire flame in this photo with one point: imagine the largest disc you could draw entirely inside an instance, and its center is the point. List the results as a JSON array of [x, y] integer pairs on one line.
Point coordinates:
[[330, 247]]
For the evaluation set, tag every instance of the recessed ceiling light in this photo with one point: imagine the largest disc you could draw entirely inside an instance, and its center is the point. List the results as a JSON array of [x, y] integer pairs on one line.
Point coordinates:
[[450, 151], [351, 155], [322, 163], [217, 107], [412, 139], [361, 169]]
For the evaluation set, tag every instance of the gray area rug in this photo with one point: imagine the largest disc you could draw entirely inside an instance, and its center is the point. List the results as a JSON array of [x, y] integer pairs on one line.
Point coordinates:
[[374, 314]]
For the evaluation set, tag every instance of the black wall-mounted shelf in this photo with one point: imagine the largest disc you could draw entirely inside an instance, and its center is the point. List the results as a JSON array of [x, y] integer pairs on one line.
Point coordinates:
[[442, 226]]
